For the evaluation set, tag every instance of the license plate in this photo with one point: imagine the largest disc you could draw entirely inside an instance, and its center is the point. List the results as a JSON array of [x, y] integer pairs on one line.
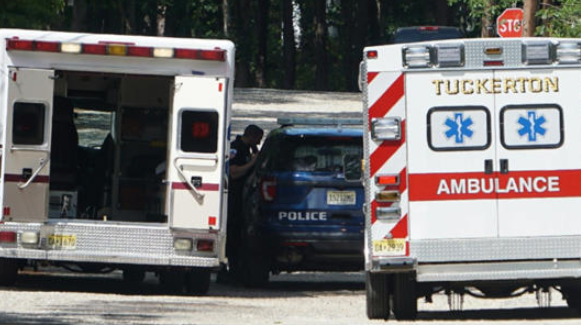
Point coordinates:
[[62, 241], [341, 197], [395, 246]]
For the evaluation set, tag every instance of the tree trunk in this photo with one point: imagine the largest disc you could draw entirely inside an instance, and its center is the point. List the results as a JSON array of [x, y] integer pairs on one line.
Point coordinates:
[[242, 14], [226, 18], [289, 45], [261, 27], [374, 17], [161, 14], [442, 12], [530, 10], [79, 16], [487, 21], [321, 44]]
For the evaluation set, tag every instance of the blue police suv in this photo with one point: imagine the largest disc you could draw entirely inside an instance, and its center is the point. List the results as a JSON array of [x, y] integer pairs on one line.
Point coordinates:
[[303, 202]]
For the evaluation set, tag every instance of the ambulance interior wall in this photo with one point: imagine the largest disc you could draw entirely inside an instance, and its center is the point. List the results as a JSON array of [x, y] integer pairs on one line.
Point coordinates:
[[117, 163]]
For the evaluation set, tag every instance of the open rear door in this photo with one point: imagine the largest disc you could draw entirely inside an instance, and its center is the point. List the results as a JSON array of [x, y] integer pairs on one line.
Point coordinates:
[[196, 160], [26, 147]]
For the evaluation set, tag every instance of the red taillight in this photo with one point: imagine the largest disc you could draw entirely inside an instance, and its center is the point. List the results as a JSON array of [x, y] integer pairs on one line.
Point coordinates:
[[214, 55], [47, 46], [429, 28], [7, 237], [15, 44], [372, 54], [268, 188], [100, 49], [205, 245], [140, 51]]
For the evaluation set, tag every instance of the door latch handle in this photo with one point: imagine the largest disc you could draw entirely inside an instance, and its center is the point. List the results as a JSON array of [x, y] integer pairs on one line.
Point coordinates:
[[488, 168], [196, 181], [504, 166]]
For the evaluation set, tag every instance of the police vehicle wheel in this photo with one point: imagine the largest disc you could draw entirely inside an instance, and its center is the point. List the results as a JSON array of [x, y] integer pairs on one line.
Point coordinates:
[[8, 271], [377, 289], [256, 271], [405, 300], [198, 281]]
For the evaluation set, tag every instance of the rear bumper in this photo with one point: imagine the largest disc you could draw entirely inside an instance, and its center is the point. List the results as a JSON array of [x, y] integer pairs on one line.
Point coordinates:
[[487, 259], [112, 243]]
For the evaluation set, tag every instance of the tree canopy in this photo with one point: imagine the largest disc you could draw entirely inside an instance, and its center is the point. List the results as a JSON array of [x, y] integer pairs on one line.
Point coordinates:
[[292, 44]]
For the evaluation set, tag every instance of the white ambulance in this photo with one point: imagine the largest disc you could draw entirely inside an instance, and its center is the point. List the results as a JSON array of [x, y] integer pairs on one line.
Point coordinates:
[[150, 194], [473, 171]]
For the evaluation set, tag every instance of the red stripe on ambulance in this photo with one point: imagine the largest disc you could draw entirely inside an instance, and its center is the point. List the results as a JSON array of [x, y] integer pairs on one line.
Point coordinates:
[[388, 99], [385, 151], [479, 186]]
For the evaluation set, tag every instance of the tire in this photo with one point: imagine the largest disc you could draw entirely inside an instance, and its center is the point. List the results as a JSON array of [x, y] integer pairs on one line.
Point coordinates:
[[8, 271], [405, 300], [255, 270], [573, 297], [173, 280], [198, 281], [377, 290]]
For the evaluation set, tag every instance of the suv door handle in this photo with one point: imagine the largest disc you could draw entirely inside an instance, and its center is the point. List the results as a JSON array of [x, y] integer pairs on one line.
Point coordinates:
[[488, 169], [504, 166]]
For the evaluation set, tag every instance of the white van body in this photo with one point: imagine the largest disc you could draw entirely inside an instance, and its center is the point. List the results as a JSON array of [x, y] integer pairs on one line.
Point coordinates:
[[473, 169], [151, 196]]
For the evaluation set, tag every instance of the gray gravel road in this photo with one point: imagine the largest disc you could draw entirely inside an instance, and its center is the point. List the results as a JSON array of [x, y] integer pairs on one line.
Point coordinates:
[[306, 298]]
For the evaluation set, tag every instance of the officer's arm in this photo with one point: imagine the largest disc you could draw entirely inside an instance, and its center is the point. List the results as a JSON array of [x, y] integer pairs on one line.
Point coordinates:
[[237, 171]]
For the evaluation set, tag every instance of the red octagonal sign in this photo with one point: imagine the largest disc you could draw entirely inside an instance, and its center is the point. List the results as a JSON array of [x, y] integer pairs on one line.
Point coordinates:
[[509, 23]]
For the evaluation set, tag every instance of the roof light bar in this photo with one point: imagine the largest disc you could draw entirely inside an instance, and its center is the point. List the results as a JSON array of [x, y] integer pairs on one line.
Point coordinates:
[[416, 57], [449, 55], [116, 49], [537, 53], [569, 52]]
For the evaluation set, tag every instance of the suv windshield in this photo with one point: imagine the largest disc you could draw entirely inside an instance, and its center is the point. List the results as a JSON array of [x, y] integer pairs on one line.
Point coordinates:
[[315, 153]]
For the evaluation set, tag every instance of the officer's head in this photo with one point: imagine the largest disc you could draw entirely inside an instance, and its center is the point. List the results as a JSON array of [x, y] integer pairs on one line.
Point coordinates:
[[253, 134]]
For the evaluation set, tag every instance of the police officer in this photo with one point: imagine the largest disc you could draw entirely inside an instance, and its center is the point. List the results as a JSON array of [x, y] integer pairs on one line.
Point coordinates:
[[243, 152]]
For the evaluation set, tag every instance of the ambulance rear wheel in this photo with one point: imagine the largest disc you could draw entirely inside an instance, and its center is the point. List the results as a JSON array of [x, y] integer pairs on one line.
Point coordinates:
[[133, 275], [405, 300], [377, 289], [198, 281], [173, 280], [8, 271]]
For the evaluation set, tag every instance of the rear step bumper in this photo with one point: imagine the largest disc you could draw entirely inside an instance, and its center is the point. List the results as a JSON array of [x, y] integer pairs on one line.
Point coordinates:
[[112, 243]]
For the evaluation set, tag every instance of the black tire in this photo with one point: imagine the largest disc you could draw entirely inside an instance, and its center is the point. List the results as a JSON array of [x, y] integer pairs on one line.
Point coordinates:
[[133, 276], [573, 297], [377, 289], [173, 280], [8, 271], [198, 281], [405, 300], [255, 270]]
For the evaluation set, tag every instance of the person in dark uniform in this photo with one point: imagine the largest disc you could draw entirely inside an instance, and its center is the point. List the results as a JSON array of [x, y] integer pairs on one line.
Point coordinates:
[[243, 152]]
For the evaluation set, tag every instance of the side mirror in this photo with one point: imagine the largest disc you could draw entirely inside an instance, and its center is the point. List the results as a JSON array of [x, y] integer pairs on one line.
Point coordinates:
[[352, 167]]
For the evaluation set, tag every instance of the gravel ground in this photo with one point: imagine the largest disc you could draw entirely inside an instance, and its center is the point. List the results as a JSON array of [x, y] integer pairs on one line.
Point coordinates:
[[304, 298]]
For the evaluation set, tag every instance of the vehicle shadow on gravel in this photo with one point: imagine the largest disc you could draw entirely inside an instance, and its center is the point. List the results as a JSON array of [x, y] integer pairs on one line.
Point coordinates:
[[502, 314], [287, 285]]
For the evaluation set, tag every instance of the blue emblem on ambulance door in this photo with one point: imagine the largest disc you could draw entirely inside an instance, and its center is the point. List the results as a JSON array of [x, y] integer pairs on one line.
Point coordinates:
[[532, 126], [459, 127]]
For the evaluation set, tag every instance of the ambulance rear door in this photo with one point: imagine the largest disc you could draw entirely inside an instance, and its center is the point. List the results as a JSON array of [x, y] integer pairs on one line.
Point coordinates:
[[451, 155], [196, 161], [538, 153], [26, 147]]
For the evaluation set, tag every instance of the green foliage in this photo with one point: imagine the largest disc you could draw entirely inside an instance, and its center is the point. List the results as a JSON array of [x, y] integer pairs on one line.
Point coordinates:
[[33, 14], [562, 20], [478, 9]]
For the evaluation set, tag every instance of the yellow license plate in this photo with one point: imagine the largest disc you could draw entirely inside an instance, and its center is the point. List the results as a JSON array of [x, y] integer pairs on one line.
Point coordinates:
[[395, 246], [62, 241]]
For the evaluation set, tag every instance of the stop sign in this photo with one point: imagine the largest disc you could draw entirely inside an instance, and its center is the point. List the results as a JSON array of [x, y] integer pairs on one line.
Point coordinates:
[[509, 23]]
